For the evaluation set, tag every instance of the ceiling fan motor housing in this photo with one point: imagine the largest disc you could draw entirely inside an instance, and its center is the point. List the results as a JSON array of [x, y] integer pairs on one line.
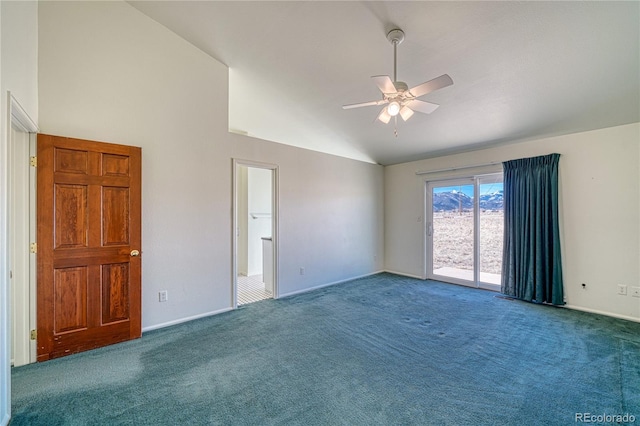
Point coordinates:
[[400, 86], [402, 95]]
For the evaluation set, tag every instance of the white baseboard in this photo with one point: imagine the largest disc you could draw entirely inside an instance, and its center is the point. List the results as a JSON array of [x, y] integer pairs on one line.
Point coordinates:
[[187, 319], [607, 314], [576, 308], [404, 274], [220, 311], [5, 420], [293, 293]]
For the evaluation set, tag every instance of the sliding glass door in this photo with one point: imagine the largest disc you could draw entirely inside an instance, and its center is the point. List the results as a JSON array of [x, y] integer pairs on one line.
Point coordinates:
[[451, 230], [464, 231]]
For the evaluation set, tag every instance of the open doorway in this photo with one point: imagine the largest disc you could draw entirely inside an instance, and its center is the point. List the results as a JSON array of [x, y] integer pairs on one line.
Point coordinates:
[[254, 232], [21, 227], [22, 233]]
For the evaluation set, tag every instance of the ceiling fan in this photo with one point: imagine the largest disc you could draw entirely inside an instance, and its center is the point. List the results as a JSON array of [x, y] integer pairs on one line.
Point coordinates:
[[396, 95]]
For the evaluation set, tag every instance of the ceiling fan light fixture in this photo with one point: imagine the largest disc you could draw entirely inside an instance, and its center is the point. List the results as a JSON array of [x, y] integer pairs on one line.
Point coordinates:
[[406, 113], [384, 116], [394, 108]]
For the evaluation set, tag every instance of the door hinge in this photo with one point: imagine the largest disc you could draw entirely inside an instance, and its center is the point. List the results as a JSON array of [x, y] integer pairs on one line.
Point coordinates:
[[33, 161], [33, 247], [33, 334]]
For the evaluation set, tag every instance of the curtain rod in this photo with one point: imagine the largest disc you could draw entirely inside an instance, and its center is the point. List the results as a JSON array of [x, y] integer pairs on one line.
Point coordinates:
[[450, 169]]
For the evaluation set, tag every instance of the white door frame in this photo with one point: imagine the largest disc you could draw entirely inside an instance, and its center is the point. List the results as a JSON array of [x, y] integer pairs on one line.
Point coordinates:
[[15, 114], [475, 181], [21, 263], [428, 233], [236, 163]]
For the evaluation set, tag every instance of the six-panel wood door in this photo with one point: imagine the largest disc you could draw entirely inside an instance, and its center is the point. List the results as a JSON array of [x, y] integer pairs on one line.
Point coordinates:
[[89, 241]]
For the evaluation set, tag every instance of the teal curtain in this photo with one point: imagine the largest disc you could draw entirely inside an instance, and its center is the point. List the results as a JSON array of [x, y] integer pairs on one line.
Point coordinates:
[[531, 263]]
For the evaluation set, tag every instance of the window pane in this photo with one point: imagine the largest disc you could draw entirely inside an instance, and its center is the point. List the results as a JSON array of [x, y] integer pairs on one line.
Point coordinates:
[[453, 231], [491, 231]]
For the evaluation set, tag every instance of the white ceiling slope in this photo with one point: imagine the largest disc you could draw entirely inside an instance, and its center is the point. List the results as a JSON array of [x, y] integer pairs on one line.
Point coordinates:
[[521, 70]]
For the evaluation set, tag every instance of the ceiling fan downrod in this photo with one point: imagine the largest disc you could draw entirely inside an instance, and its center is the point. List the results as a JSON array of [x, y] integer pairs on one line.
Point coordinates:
[[395, 37]]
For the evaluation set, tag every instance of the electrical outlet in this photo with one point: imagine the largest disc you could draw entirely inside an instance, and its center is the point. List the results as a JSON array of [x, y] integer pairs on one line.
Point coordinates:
[[622, 289], [163, 296], [301, 271], [635, 291]]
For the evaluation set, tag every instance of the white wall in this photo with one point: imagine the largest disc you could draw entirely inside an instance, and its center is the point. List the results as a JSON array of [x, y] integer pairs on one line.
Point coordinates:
[[18, 74], [259, 201], [330, 214], [20, 55], [600, 212], [109, 73]]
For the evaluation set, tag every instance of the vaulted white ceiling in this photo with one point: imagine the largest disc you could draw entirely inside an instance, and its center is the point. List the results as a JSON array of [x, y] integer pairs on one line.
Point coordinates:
[[521, 70]]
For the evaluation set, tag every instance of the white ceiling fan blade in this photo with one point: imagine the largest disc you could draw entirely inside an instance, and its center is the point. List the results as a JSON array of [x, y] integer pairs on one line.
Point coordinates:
[[385, 84], [384, 116], [364, 104], [406, 113], [422, 106], [437, 83]]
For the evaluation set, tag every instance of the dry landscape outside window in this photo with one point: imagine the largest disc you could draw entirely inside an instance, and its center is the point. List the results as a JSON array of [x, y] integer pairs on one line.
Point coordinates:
[[453, 240]]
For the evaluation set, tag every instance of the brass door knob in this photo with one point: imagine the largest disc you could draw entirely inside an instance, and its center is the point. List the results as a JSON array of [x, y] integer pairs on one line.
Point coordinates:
[[135, 253]]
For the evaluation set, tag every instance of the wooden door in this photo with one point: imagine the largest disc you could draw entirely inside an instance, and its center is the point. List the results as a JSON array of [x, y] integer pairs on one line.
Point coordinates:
[[89, 242]]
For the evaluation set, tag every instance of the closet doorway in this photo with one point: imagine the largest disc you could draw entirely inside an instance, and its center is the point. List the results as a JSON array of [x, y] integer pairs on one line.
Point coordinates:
[[255, 224]]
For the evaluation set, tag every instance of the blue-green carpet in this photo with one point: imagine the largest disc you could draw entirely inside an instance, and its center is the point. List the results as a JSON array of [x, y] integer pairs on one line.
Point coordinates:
[[374, 351]]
